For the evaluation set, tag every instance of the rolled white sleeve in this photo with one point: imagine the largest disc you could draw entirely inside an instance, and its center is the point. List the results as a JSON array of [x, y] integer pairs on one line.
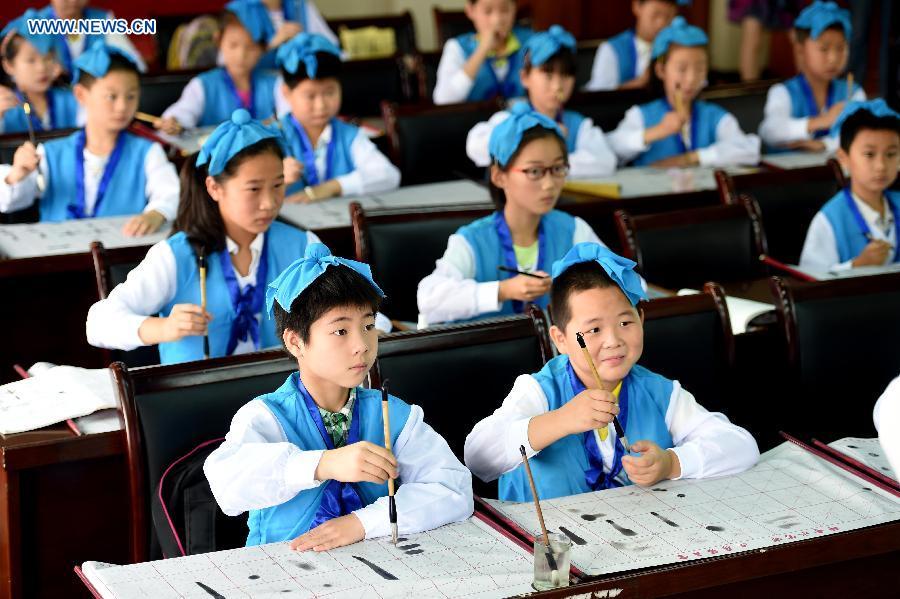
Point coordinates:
[[820, 253], [732, 146], [605, 71], [189, 107], [593, 156], [22, 194], [282, 106], [316, 24], [374, 173], [778, 127], [453, 84], [435, 489], [887, 422], [479, 137], [627, 141], [162, 189]]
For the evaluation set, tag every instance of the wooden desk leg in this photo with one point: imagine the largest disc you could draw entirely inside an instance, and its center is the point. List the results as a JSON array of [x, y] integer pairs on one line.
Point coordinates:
[[10, 536]]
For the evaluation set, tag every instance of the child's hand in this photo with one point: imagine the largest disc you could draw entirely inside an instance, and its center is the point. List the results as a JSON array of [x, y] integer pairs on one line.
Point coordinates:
[[807, 145], [680, 161], [287, 30], [654, 464], [672, 123], [25, 161], [590, 409], [7, 99], [293, 170], [874, 254], [524, 288], [359, 462], [143, 224], [185, 320], [168, 125], [337, 532]]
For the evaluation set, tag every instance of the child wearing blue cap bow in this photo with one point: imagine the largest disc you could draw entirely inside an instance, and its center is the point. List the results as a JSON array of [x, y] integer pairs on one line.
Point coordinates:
[[678, 130], [327, 157], [860, 226], [101, 170], [562, 419], [231, 193], [308, 461], [800, 111], [476, 277], [548, 75]]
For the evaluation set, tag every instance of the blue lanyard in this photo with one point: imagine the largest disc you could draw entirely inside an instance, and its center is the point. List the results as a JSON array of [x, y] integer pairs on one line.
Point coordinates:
[[864, 227], [78, 209], [36, 122], [308, 154], [679, 140], [509, 253], [812, 109], [229, 83], [247, 303], [634, 58], [595, 477]]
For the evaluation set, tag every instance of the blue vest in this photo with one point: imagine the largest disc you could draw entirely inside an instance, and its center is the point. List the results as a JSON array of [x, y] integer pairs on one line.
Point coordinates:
[[220, 101], [125, 194], [293, 518], [837, 92], [559, 469], [340, 162], [626, 53], [63, 54], [62, 105], [705, 118], [486, 85], [572, 121], [847, 234], [285, 244], [559, 230]]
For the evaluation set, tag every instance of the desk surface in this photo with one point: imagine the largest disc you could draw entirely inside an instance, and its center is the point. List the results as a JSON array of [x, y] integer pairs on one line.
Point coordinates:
[[32, 240], [645, 181]]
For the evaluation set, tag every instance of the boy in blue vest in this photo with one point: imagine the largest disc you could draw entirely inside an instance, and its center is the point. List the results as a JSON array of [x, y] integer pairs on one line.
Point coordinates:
[[101, 170], [621, 61], [484, 64], [860, 226], [562, 419], [308, 460], [800, 111], [328, 157], [548, 74]]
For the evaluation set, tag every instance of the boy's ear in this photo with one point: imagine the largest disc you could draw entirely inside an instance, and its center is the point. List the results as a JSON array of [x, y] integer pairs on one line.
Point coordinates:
[[558, 336], [659, 68], [636, 8], [293, 343], [81, 93], [7, 68], [843, 158], [285, 90]]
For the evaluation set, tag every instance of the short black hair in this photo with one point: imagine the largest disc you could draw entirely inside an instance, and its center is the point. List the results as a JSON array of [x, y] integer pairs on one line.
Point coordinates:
[[864, 119], [530, 135], [338, 286], [801, 35], [562, 62], [116, 63], [329, 67], [578, 277]]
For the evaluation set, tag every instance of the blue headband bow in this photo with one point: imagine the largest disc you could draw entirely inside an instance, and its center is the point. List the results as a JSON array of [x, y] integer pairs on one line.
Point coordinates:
[[678, 32], [878, 108], [96, 60], [232, 136], [300, 275], [542, 46], [254, 16], [819, 16], [506, 137], [303, 47], [619, 269], [19, 26]]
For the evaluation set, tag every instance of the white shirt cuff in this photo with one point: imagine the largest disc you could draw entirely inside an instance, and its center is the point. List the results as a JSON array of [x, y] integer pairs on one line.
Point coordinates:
[[351, 184], [486, 295], [843, 266], [689, 459], [706, 156], [300, 473], [518, 434]]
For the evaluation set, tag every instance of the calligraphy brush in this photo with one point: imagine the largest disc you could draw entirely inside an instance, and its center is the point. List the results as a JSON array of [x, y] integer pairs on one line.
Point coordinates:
[[41, 182], [849, 86], [680, 109], [201, 259], [520, 272], [551, 561], [619, 430], [392, 503]]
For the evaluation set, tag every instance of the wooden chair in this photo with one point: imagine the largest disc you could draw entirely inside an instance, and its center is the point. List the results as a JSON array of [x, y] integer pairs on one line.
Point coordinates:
[[449, 24], [744, 100], [403, 26], [607, 108], [161, 90], [366, 83]]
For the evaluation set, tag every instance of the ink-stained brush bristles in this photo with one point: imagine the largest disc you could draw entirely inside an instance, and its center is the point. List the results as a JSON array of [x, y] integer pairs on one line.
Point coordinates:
[[392, 502]]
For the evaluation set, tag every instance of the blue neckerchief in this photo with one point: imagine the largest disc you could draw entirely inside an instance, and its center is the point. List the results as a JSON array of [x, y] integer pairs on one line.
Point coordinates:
[[78, 209], [595, 477], [509, 254], [229, 83], [678, 137], [35, 121], [506, 87], [864, 227], [634, 58], [247, 303], [66, 58], [338, 499], [310, 172], [812, 108]]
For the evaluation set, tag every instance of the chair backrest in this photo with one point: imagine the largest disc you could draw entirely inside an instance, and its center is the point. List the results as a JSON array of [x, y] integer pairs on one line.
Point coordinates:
[[403, 26], [450, 23], [402, 245], [744, 100], [10, 142], [365, 83], [584, 61], [689, 247], [787, 200], [842, 352], [428, 143], [607, 108], [160, 91], [169, 410]]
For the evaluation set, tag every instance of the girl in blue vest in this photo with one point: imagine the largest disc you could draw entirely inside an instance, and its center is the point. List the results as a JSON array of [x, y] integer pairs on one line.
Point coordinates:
[[525, 234], [678, 130], [29, 63], [211, 97], [621, 61], [101, 170], [562, 419], [484, 64], [548, 74], [327, 157], [308, 460], [290, 17], [232, 192], [800, 112], [860, 226]]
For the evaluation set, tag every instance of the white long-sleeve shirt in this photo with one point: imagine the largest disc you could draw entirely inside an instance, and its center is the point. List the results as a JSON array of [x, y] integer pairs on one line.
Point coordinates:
[[887, 422], [605, 71], [257, 467], [592, 157], [162, 188], [707, 443], [820, 251], [732, 146], [778, 127], [189, 107], [451, 291], [453, 84]]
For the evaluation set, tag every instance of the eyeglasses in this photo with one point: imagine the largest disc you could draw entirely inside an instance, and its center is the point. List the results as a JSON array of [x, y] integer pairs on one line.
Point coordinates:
[[536, 173]]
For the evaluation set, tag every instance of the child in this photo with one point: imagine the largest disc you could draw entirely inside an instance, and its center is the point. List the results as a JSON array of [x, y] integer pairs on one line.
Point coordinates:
[[232, 192], [29, 63], [328, 157], [548, 75], [308, 460], [288, 18], [528, 170], [484, 64], [859, 225], [562, 419], [621, 61], [692, 133], [800, 111], [211, 97], [101, 170]]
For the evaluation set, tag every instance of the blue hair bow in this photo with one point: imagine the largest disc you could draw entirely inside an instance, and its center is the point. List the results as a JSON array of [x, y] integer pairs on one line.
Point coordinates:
[[254, 16], [232, 136], [542, 46], [877, 107], [678, 32], [619, 269], [303, 47], [506, 137], [96, 60], [819, 16], [19, 26]]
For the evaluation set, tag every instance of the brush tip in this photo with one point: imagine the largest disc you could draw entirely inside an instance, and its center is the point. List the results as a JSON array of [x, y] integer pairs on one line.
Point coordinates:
[[522, 450], [580, 338]]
